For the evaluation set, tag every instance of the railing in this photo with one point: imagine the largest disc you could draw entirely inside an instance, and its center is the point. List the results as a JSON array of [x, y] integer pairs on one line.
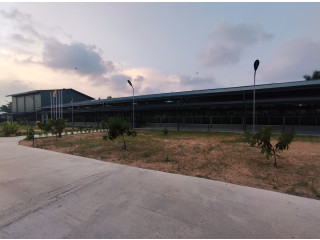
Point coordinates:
[[259, 120]]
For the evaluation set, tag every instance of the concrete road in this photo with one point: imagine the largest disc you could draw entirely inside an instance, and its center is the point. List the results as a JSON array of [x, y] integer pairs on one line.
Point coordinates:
[[52, 195]]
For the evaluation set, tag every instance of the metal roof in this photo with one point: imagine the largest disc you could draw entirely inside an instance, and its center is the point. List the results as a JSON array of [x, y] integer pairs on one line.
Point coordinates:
[[38, 91], [205, 91]]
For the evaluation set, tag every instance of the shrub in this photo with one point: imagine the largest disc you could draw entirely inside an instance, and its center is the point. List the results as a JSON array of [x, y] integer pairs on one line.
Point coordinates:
[[10, 128], [80, 129], [165, 131], [262, 140], [104, 125], [132, 133]]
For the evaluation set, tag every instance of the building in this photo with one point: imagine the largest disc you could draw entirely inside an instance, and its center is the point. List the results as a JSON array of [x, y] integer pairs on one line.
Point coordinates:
[[293, 105], [27, 106]]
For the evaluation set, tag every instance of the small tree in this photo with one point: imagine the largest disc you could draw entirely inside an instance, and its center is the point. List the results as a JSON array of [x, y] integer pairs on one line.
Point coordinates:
[[30, 135], [118, 127], [262, 140], [44, 127], [55, 126]]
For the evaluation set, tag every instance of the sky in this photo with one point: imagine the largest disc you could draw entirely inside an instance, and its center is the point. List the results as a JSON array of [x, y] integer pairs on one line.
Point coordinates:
[[161, 47]]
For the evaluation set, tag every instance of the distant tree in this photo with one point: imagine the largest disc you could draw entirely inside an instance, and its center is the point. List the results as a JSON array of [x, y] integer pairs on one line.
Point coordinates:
[[109, 97], [262, 139], [315, 75], [6, 108]]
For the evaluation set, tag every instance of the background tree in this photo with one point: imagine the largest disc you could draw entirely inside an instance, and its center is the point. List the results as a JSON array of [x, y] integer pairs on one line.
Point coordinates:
[[118, 127], [315, 75], [6, 108], [262, 139]]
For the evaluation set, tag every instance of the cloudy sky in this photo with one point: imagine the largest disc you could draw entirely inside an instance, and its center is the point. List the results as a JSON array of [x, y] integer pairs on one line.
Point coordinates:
[[162, 47]]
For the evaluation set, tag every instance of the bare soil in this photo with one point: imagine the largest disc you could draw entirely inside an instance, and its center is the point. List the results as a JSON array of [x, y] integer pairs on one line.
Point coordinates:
[[223, 157]]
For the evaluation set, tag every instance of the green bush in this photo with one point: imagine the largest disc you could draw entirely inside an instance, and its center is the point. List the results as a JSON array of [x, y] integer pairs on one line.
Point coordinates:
[[262, 139], [104, 125], [10, 128]]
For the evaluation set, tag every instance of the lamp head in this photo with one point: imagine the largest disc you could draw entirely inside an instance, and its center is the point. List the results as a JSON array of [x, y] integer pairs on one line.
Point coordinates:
[[256, 65], [130, 83]]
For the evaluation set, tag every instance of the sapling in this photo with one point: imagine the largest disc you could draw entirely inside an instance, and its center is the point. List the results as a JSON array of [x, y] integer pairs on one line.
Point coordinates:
[[118, 127], [262, 139]]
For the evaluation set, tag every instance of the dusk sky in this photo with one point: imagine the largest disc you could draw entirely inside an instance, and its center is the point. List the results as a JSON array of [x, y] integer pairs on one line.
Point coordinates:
[[162, 47]]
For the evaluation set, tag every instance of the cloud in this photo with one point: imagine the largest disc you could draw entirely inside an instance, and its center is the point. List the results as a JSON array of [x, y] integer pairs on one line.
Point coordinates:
[[291, 61], [19, 38], [152, 81], [229, 41], [84, 58], [23, 23], [118, 81], [217, 54], [43, 49], [240, 35], [138, 78], [198, 82], [15, 14], [9, 86]]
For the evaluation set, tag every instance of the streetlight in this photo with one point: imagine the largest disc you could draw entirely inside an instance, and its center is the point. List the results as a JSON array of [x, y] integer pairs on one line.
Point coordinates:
[[255, 65], [132, 103]]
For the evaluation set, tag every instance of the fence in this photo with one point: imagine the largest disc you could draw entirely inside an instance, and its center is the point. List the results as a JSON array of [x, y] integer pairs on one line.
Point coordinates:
[[259, 120]]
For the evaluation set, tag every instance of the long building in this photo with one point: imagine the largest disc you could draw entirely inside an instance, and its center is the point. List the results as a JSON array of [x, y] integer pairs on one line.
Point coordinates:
[[294, 105]]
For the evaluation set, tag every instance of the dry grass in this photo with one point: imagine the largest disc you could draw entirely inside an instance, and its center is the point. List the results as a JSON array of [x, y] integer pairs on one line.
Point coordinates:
[[219, 156]]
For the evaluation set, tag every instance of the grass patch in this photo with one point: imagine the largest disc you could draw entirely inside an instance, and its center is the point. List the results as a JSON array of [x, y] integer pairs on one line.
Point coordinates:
[[212, 155], [147, 154]]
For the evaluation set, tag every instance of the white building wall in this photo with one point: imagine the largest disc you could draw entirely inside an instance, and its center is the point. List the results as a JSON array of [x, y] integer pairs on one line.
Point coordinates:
[[29, 103], [14, 104], [20, 101]]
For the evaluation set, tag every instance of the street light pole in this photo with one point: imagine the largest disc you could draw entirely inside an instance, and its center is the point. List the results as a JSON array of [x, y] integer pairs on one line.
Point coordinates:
[[132, 103], [255, 65]]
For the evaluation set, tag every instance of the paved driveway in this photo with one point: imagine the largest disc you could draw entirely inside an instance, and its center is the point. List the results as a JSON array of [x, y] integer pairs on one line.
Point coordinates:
[[53, 195]]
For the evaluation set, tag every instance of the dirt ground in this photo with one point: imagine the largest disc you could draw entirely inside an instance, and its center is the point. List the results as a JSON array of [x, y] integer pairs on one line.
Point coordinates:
[[222, 157]]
